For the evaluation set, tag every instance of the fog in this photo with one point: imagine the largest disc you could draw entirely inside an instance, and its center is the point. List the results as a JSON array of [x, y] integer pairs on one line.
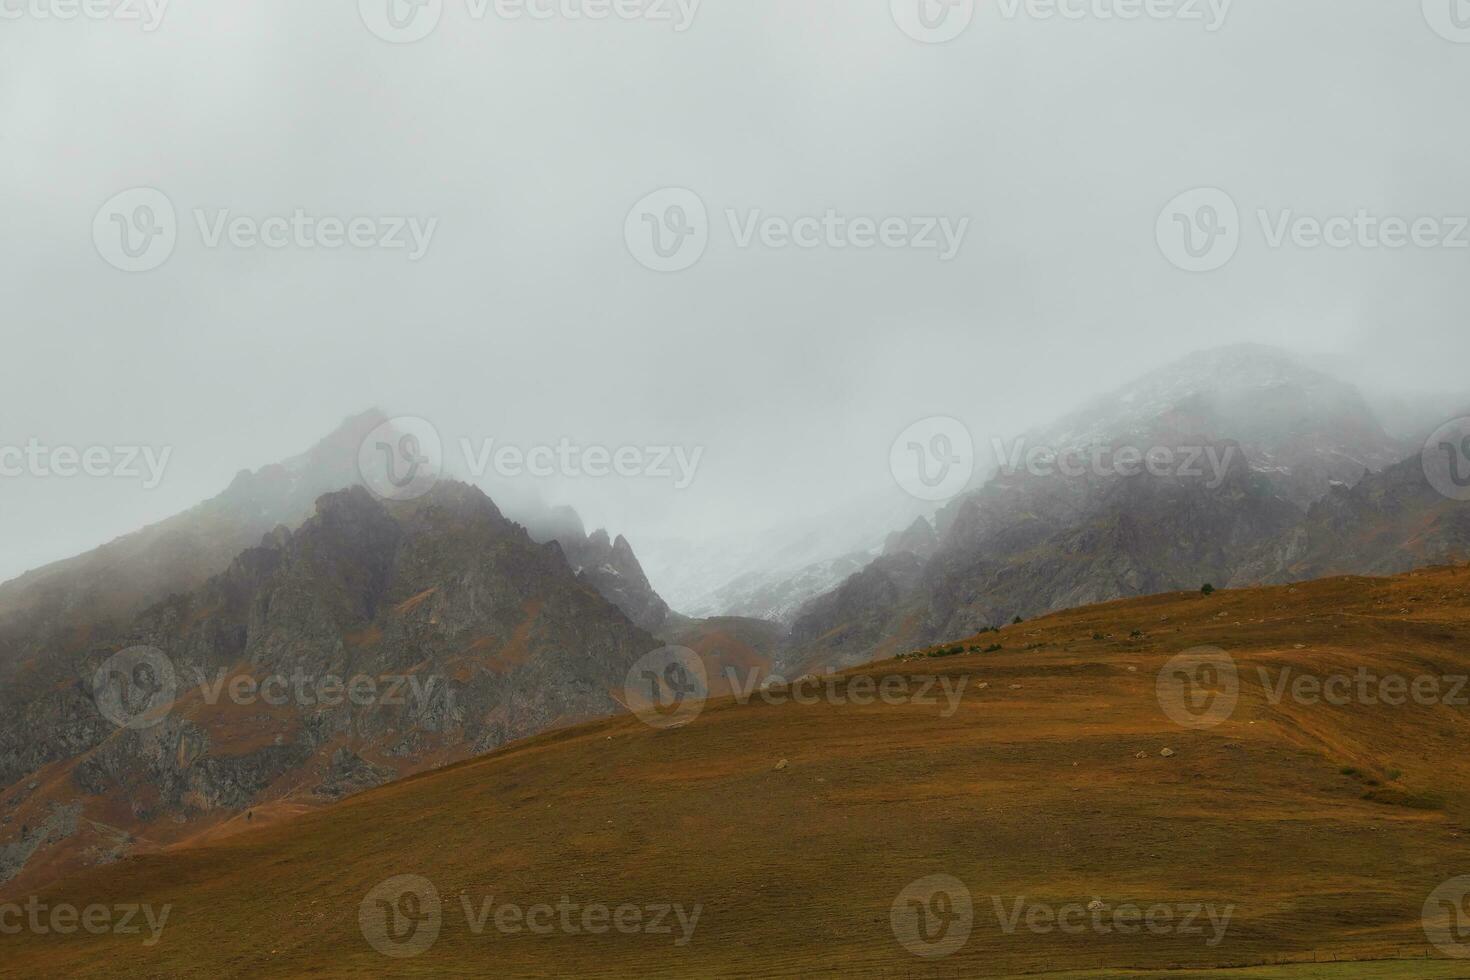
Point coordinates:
[[529, 320]]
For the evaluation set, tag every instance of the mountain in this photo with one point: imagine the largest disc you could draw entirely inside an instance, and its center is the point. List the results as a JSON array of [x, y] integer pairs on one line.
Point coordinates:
[[918, 540], [1388, 522], [771, 574], [64, 606], [1195, 473], [1028, 544], [1302, 427], [607, 566], [1283, 830], [778, 595], [458, 630]]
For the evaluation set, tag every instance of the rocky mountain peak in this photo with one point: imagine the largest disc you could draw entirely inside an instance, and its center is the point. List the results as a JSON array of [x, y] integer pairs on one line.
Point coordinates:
[[919, 539]]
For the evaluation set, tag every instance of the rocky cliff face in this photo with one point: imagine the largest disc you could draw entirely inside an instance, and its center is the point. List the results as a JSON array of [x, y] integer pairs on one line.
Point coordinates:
[[64, 605], [1250, 439], [608, 566], [375, 641], [1389, 522], [1302, 427], [918, 540], [1025, 545], [779, 596]]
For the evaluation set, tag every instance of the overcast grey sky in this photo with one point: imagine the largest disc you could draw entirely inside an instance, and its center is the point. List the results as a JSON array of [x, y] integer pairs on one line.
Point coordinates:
[[528, 319]]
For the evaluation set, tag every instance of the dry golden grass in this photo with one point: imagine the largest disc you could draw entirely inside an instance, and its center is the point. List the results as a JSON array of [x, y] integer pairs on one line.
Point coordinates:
[[1326, 827]]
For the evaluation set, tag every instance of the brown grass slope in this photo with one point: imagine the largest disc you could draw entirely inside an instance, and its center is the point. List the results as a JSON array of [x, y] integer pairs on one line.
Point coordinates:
[[1326, 827]]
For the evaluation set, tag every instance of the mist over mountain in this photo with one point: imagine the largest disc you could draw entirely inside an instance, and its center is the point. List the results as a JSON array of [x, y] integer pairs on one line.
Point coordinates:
[[1268, 469], [1236, 466], [479, 634], [656, 488]]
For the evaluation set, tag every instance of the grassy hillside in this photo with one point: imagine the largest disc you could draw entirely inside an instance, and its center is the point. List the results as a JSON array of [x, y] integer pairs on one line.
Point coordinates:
[[1320, 829]]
